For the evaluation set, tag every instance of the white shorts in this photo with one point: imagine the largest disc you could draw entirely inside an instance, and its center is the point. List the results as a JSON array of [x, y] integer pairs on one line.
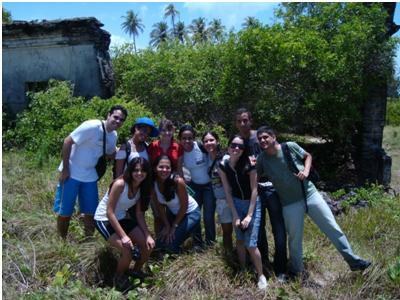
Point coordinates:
[[223, 211]]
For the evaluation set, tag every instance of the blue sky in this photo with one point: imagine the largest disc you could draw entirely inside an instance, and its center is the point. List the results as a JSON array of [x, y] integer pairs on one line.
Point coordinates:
[[110, 14]]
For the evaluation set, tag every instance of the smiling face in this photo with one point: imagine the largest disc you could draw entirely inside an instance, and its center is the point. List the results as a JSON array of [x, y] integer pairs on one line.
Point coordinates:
[[115, 120], [267, 141], [138, 173], [141, 133], [210, 143], [187, 139], [236, 147], [163, 169]]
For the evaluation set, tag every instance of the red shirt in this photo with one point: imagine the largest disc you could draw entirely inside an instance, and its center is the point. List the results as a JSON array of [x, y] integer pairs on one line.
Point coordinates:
[[174, 152]]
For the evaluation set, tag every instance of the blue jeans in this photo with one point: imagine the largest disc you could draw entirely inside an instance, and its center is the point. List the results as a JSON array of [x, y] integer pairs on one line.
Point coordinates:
[[204, 197], [188, 224], [250, 235], [322, 216], [270, 201]]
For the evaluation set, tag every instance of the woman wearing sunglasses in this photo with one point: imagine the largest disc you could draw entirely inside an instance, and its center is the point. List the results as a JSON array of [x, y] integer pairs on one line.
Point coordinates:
[[239, 179]]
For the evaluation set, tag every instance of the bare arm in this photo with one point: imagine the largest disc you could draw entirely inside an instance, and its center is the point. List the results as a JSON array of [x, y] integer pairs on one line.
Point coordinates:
[[120, 163], [183, 200], [253, 185], [183, 206], [161, 213], [307, 165], [179, 166], [66, 153], [113, 198], [143, 226], [228, 194]]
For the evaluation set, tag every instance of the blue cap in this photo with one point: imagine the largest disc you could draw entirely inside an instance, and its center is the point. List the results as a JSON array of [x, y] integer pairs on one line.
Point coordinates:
[[148, 122]]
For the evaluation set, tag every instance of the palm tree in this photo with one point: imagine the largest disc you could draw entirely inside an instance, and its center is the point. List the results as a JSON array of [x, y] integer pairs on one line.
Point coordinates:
[[199, 30], [132, 25], [159, 34], [170, 10], [251, 22], [216, 30], [6, 16], [180, 32]]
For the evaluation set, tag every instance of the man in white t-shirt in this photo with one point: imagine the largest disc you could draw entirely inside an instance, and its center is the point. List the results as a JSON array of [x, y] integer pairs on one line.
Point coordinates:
[[78, 177]]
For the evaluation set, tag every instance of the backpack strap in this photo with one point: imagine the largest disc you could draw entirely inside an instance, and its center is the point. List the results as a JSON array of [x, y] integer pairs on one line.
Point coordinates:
[[293, 168], [128, 151], [104, 138]]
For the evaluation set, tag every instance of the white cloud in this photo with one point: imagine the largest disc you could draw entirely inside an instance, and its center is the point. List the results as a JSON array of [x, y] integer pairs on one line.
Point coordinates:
[[143, 11], [117, 40]]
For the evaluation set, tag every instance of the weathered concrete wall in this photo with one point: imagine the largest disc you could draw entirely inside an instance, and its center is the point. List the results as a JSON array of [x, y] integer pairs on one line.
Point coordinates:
[[74, 50]]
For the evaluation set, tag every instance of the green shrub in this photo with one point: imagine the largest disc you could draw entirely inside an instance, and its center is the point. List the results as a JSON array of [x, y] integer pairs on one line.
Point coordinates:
[[393, 112], [54, 113]]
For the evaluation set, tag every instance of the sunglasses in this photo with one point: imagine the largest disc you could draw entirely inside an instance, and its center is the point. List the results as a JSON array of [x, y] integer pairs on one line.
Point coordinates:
[[235, 145]]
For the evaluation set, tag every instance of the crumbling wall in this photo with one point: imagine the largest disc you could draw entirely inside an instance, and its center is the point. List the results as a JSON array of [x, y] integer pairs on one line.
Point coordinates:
[[74, 49]]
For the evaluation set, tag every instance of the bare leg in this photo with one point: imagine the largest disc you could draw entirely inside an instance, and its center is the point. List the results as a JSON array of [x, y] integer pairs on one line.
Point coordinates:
[[241, 250], [227, 236], [125, 259], [138, 237], [256, 259], [62, 226], [88, 223]]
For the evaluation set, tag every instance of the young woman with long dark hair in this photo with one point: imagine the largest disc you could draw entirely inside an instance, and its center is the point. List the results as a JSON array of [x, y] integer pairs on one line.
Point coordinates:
[[239, 179], [118, 228]]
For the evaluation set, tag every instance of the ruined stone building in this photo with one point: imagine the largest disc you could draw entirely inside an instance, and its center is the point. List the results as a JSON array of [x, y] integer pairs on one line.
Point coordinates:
[[72, 49]]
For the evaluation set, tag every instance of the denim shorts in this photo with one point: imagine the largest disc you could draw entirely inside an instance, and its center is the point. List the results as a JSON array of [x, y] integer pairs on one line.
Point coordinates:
[[250, 235], [67, 192], [223, 211]]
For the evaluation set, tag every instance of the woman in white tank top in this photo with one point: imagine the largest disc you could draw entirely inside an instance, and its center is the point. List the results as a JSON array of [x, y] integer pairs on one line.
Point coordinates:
[[115, 225], [178, 211]]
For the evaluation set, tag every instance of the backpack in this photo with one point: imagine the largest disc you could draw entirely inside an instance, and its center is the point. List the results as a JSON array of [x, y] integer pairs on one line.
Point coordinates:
[[313, 176]]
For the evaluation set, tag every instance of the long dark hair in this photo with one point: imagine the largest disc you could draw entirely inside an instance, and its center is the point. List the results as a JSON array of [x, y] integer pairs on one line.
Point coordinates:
[[145, 185], [243, 163], [169, 183], [220, 154]]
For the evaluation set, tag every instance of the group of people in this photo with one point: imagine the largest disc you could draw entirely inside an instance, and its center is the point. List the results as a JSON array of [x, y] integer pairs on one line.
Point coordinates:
[[180, 178]]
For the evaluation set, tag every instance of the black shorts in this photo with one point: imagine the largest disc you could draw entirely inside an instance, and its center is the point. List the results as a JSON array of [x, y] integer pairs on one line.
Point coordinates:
[[106, 230]]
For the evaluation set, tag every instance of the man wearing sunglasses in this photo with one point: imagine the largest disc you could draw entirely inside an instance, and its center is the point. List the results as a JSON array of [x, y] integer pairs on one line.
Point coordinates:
[[269, 199], [78, 177]]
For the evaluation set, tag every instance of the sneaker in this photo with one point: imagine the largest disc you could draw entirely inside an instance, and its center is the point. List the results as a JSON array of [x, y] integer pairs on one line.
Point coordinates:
[[282, 278], [262, 283], [361, 265]]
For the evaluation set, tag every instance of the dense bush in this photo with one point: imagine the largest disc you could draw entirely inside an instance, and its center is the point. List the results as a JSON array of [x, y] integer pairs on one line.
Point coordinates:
[[393, 112], [308, 73], [54, 113]]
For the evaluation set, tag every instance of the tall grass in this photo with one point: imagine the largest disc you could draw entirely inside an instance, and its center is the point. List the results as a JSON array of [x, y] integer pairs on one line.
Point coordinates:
[[38, 265]]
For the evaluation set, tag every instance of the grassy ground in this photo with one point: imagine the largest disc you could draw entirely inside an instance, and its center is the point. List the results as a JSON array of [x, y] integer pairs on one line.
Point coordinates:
[[38, 265]]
